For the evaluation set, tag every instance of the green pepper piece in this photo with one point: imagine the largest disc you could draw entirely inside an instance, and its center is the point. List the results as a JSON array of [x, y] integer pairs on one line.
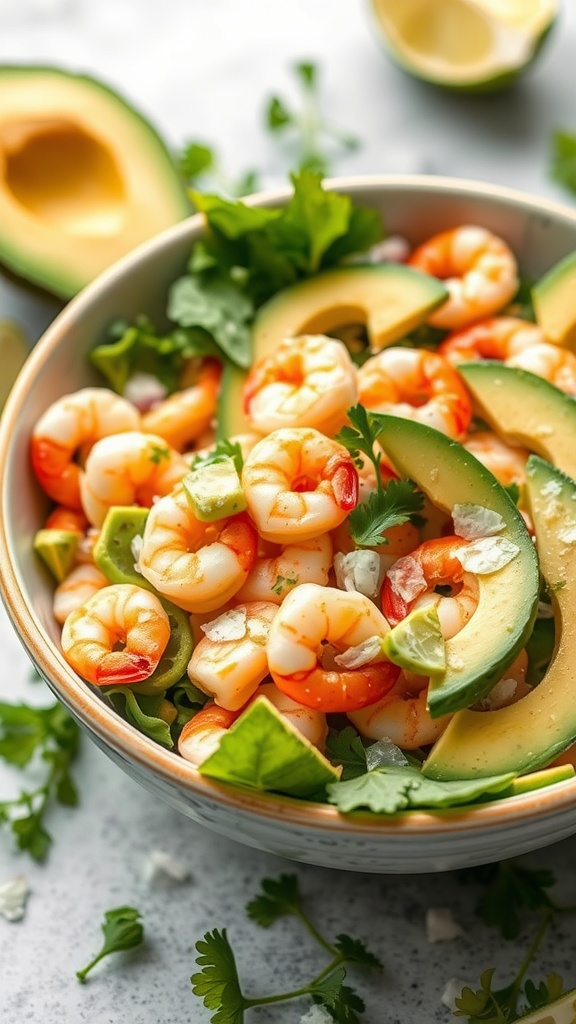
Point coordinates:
[[114, 557]]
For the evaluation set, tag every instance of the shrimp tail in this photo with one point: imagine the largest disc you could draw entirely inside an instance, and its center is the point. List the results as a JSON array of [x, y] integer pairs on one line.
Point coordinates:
[[58, 477], [240, 536], [344, 479], [120, 668]]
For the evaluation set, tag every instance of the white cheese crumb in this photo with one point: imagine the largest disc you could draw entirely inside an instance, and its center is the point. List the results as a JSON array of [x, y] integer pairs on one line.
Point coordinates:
[[360, 571], [407, 578], [472, 521], [317, 1014], [568, 534], [487, 555], [144, 391], [544, 611], [552, 489], [228, 626], [453, 991], [136, 548], [499, 695], [362, 654], [13, 896], [161, 863], [441, 926]]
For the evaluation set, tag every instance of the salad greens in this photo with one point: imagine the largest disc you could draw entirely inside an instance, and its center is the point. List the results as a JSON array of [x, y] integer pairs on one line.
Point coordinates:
[[122, 930], [563, 168]]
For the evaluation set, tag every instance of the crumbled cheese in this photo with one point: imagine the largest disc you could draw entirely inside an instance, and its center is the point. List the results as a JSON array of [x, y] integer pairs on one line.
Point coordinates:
[[362, 654], [544, 611], [441, 926], [360, 571], [13, 896], [453, 991], [144, 391], [317, 1014], [228, 626], [136, 548], [499, 695], [473, 521], [160, 863], [487, 554], [394, 249], [407, 578], [568, 534], [552, 489]]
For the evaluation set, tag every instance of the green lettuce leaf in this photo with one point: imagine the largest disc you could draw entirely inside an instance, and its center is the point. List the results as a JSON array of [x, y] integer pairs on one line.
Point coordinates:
[[141, 711]]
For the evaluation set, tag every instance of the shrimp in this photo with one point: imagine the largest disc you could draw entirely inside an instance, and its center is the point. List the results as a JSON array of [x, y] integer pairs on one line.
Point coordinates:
[[309, 381], [401, 716], [199, 566], [310, 618], [412, 580], [230, 661], [184, 416], [298, 485], [419, 385], [117, 636], [273, 577], [478, 268], [554, 364], [201, 736], [82, 582], [127, 469], [505, 461], [68, 427], [496, 337]]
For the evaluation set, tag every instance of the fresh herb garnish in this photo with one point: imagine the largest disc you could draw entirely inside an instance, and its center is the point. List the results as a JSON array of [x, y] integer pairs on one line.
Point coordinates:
[[222, 449], [200, 164], [218, 983], [122, 930], [52, 737], [282, 583], [563, 169], [385, 507]]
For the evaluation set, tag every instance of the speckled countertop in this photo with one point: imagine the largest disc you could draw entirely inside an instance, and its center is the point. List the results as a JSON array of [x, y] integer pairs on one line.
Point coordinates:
[[202, 70]]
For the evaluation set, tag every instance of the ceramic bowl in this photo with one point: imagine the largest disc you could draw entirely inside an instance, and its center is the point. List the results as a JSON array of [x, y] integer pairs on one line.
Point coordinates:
[[540, 233]]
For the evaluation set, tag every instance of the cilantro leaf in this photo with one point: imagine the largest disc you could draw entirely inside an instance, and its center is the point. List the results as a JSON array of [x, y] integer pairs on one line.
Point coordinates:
[[218, 307], [563, 168], [511, 888], [122, 930], [544, 993], [346, 748], [217, 984], [363, 433], [222, 448], [385, 508], [342, 1002], [355, 951], [196, 158], [393, 788], [277, 115], [279, 896]]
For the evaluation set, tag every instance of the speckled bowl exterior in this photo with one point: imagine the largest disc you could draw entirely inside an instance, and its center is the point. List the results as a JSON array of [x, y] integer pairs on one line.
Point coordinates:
[[540, 233]]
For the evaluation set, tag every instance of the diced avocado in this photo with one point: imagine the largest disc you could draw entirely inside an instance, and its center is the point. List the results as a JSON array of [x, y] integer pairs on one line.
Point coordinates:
[[264, 751], [215, 491], [477, 656], [525, 736], [85, 177], [525, 409], [390, 299], [58, 550], [553, 301], [114, 555]]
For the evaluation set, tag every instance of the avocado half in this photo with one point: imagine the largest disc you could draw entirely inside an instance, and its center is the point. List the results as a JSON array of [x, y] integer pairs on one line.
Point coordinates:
[[84, 178]]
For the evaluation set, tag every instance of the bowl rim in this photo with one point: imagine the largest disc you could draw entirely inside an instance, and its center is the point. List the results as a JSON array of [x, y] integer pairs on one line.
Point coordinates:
[[124, 739]]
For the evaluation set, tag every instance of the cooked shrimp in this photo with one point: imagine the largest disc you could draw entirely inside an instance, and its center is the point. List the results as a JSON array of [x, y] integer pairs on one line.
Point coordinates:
[[312, 724], [555, 364], [298, 484], [309, 381], [69, 519], [496, 337], [184, 416], [478, 269], [310, 618], [201, 736], [273, 577], [82, 582], [401, 716], [505, 461], [230, 661], [117, 636], [419, 385], [69, 426], [128, 469], [410, 583], [199, 566]]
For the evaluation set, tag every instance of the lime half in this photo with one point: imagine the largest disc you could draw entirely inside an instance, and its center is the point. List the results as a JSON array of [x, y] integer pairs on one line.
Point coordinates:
[[14, 350], [470, 45], [561, 1011], [416, 643]]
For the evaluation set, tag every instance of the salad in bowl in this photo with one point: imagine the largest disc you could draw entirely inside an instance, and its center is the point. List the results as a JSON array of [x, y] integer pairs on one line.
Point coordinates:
[[300, 550]]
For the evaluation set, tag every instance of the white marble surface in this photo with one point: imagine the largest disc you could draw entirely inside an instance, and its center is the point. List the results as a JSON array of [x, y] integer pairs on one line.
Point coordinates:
[[201, 70]]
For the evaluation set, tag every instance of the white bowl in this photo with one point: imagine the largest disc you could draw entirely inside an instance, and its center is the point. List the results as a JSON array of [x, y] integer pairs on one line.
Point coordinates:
[[540, 233]]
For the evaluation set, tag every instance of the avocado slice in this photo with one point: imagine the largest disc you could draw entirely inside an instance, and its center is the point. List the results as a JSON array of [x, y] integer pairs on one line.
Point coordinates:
[[530, 734], [477, 656], [390, 299], [525, 409], [85, 177], [553, 301]]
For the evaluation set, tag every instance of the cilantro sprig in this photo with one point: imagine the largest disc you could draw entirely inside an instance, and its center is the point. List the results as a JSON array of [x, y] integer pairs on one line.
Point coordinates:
[[122, 930], [563, 164], [218, 983], [38, 737], [387, 506]]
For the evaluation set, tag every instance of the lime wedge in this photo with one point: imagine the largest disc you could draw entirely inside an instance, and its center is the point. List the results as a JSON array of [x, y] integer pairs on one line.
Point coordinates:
[[14, 350], [561, 1011], [416, 643], [469, 45]]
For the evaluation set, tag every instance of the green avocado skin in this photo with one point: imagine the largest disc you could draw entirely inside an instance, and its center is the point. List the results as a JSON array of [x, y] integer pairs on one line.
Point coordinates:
[[479, 654]]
